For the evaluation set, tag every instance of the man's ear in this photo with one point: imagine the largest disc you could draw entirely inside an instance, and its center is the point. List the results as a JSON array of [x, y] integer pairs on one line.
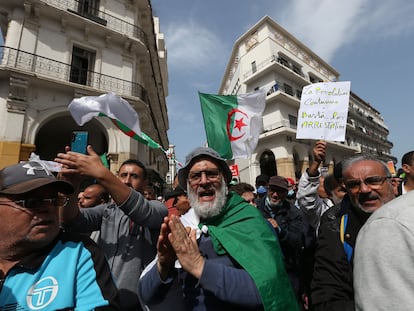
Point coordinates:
[[406, 168]]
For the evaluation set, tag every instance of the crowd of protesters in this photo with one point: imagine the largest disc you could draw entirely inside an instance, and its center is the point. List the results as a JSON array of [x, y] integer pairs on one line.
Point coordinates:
[[211, 243]]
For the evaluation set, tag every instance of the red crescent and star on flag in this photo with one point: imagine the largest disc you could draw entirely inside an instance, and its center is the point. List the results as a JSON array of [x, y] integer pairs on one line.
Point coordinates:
[[239, 123]]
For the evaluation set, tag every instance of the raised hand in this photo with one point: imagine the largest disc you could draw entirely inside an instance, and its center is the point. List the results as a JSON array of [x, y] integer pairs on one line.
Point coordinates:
[[319, 154], [319, 151], [165, 252], [83, 164]]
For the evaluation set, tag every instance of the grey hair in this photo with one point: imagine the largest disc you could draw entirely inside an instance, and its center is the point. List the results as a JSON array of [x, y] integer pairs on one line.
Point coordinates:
[[346, 164]]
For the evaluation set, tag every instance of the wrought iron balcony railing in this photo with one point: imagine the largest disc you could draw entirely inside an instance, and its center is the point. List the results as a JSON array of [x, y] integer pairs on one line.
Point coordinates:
[[273, 59], [50, 68], [85, 9]]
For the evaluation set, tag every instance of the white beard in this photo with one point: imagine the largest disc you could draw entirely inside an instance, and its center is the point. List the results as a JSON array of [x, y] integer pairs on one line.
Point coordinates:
[[206, 210]]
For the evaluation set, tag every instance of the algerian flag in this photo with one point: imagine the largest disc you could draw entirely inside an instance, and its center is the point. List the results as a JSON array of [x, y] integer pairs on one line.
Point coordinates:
[[233, 122], [114, 107], [241, 231]]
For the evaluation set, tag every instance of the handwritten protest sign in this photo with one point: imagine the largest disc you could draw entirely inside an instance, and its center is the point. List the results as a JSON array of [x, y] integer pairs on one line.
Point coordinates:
[[323, 111]]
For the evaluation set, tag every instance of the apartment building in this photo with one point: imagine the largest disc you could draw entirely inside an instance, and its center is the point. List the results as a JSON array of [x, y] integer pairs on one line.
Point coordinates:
[[58, 50], [267, 56]]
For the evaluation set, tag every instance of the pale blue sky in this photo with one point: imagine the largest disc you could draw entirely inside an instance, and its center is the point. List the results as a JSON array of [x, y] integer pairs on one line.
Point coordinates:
[[370, 43]]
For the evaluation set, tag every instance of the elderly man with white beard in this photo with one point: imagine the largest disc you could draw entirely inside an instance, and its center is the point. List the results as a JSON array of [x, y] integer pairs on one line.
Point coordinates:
[[230, 261]]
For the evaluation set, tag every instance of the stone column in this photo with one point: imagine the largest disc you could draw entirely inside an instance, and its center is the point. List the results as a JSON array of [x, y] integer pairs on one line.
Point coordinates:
[[14, 29]]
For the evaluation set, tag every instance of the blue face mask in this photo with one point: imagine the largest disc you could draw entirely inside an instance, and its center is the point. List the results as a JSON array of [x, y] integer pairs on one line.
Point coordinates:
[[291, 193], [261, 190]]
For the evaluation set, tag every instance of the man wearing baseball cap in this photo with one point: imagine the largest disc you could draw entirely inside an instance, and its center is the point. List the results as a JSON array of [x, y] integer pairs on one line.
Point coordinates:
[[36, 258], [231, 261]]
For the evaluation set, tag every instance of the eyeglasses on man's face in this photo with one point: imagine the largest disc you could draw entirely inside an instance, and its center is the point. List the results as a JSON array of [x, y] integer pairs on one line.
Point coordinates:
[[32, 203], [212, 175], [374, 182]]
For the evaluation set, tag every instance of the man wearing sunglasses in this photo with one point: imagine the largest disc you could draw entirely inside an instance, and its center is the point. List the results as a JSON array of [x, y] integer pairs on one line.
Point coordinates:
[[128, 226], [368, 184], [231, 261], [384, 265], [40, 266]]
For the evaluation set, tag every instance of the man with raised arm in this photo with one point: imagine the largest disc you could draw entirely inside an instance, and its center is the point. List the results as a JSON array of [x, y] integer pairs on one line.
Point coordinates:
[[129, 226]]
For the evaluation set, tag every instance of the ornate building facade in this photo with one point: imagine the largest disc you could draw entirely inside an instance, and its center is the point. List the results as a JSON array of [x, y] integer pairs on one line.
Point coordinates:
[[57, 50], [267, 56]]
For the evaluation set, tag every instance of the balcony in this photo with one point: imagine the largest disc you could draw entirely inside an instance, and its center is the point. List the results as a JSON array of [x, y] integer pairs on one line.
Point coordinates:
[[116, 24], [283, 93], [276, 63], [51, 69]]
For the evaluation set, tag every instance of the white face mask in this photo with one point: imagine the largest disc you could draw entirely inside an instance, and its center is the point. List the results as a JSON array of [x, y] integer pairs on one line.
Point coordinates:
[[261, 190], [269, 203]]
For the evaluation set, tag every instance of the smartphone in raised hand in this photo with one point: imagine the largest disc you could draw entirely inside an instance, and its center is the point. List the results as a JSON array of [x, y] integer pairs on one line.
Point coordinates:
[[79, 141]]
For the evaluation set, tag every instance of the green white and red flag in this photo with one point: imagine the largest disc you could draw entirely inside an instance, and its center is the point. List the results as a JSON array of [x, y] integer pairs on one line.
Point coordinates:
[[233, 122], [121, 113]]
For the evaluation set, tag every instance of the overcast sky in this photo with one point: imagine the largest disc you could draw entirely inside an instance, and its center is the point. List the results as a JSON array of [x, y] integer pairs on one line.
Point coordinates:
[[370, 43]]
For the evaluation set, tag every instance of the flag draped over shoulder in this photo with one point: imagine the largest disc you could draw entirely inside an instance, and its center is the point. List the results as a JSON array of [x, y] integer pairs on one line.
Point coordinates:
[[242, 232], [114, 107], [233, 122]]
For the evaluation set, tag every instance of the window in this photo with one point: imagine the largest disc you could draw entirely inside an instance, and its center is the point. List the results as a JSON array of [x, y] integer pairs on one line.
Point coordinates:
[[288, 89], [90, 10], [88, 7], [81, 65], [283, 61], [297, 69], [314, 79], [268, 163], [254, 68], [293, 121], [299, 94]]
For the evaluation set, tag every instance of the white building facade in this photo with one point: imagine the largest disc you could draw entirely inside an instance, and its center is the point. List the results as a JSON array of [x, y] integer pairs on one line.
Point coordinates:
[[57, 50], [269, 57]]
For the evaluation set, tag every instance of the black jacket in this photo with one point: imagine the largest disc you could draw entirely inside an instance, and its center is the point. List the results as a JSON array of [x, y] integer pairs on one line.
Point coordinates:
[[291, 237], [289, 219], [332, 283]]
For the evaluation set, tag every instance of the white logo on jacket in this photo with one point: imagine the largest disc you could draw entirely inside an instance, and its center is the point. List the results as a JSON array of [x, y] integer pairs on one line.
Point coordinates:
[[42, 293]]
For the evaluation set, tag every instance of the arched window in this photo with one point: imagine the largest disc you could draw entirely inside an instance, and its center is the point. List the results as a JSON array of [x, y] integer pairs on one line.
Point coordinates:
[[268, 163], [55, 134]]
